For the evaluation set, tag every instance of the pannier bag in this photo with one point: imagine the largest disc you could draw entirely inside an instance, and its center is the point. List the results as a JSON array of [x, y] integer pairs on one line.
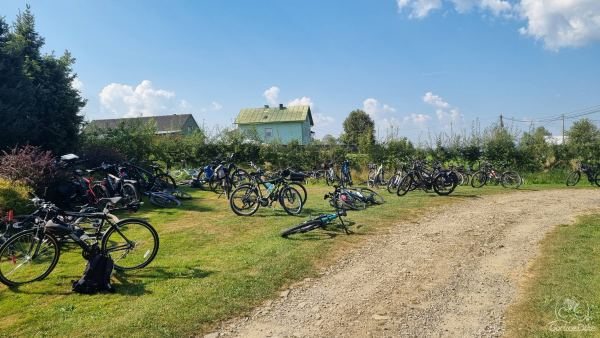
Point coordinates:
[[297, 177]]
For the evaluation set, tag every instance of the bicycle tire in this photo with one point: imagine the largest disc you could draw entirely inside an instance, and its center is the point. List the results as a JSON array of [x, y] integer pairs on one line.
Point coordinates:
[[573, 178], [163, 182], [239, 177], [353, 200], [392, 185], [20, 241], [248, 196], [374, 197], [290, 195], [164, 200], [405, 185], [479, 179], [443, 184], [129, 194], [121, 234], [597, 179], [466, 179], [302, 228], [302, 190], [511, 179]]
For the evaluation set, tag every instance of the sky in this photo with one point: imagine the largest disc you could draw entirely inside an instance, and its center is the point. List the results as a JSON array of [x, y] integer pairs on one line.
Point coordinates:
[[417, 67]]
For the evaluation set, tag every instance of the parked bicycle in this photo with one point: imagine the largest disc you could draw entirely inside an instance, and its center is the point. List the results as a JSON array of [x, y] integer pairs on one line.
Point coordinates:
[[31, 255], [247, 198], [591, 172], [376, 176], [488, 175], [443, 182]]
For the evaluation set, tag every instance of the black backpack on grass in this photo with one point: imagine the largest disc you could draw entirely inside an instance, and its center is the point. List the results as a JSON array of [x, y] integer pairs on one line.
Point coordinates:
[[96, 277]]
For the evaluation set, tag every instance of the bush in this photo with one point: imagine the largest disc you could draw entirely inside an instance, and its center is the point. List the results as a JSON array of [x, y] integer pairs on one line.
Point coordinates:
[[14, 196], [29, 165]]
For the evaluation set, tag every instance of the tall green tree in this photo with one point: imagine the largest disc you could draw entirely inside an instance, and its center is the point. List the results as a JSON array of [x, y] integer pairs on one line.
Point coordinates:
[[584, 141], [359, 129], [38, 104]]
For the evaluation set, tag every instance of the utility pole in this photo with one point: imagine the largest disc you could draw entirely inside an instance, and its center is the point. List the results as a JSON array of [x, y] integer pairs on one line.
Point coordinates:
[[501, 122], [563, 129]]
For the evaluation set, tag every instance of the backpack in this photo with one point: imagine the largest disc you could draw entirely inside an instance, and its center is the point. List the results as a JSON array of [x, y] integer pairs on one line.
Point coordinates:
[[96, 277]]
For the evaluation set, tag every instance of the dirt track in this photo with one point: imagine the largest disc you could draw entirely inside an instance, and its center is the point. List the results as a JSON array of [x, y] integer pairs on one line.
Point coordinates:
[[452, 273]]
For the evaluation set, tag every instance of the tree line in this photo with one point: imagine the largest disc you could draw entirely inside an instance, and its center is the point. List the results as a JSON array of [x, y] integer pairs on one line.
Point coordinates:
[[39, 106]]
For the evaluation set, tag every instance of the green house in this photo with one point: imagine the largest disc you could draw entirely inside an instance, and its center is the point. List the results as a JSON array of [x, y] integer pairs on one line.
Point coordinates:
[[280, 124]]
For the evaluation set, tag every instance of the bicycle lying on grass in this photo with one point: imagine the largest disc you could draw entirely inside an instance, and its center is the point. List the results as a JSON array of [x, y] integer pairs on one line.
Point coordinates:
[[321, 221], [31, 255]]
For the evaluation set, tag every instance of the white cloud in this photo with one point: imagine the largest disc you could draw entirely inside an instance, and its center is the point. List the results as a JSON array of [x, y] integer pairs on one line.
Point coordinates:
[[417, 119], [143, 100], [77, 84], [419, 8], [302, 101], [272, 95], [561, 23], [444, 111], [558, 23], [435, 100], [321, 119], [372, 107], [216, 106]]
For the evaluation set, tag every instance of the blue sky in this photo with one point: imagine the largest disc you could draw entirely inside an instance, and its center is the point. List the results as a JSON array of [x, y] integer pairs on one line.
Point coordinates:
[[421, 66]]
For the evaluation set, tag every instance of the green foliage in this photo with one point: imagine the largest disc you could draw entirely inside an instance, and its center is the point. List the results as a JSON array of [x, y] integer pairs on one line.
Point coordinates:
[[499, 145], [132, 138], [38, 104], [584, 141], [359, 130], [14, 196]]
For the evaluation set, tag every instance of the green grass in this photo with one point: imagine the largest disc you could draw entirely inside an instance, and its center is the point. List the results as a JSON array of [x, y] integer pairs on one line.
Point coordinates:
[[211, 265], [565, 278]]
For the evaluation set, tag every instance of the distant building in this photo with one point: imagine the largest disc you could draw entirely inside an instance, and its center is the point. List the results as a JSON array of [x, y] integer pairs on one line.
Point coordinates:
[[175, 124], [555, 139], [280, 124]]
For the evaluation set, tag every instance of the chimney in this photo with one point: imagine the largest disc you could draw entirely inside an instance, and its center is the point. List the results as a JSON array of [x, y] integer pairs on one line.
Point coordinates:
[[266, 106], [281, 106]]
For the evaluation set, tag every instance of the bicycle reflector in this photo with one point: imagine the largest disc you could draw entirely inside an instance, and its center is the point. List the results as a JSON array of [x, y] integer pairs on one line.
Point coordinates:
[[10, 215]]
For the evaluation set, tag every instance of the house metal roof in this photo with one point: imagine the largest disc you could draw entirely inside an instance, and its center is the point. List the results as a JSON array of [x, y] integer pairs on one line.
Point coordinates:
[[274, 115], [164, 123]]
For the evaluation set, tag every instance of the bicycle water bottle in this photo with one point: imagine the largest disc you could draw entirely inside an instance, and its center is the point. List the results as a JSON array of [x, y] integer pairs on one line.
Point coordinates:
[[270, 187]]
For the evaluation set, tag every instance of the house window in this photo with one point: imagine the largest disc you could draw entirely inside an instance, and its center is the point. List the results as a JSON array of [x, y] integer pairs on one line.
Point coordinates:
[[268, 133]]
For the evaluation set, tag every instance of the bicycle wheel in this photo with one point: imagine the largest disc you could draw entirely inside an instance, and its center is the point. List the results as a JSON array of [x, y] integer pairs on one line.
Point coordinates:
[[164, 200], [573, 178], [353, 200], [291, 200], [405, 185], [239, 177], [511, 179], [371, 196], [131, 243], [163, 182], [392, 185], [244, 200], [24, 258], [466, 179], [478, 179], [444, 184], [301, 189], [302, 228], [129, 194], [597, 178]]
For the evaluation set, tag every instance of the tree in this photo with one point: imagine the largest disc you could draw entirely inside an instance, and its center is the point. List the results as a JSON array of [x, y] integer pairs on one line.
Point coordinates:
[[534, 151], [38, 104], [499, 145], [584, 141], [359, 129]]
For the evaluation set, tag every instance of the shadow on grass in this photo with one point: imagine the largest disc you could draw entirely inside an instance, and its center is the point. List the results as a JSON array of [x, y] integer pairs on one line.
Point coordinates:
[[164, 273]]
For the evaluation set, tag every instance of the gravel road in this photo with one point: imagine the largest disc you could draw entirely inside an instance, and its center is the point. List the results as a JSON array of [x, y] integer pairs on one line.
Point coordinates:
[[454, 272]]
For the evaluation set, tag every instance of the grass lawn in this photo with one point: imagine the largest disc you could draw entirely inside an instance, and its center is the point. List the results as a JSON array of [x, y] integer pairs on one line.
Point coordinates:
[[211, 265], [562, 294]]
